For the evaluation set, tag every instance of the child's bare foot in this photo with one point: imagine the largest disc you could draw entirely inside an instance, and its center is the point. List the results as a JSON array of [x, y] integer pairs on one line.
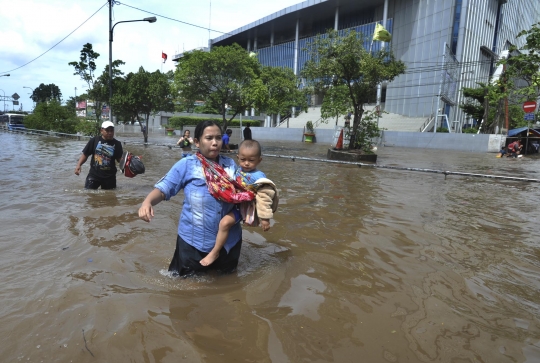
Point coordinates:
[[209, 259]]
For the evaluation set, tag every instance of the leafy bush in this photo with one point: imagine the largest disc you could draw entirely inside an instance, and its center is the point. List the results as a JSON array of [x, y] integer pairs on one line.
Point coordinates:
[[178, 122], [87, 127], [470, 130], [51, 116], [309, 127], [367, 131], [442, 129]]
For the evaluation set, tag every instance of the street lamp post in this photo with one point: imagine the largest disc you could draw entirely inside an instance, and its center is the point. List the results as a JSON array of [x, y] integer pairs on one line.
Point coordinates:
[[111, 28], [4, 75]]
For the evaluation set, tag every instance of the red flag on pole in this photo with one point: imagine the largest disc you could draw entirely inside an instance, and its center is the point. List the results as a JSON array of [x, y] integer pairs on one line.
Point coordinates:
[[164, 56]]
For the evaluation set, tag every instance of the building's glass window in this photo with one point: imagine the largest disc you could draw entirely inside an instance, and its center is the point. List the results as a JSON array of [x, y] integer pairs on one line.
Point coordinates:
[[455, 29], [282, 55]]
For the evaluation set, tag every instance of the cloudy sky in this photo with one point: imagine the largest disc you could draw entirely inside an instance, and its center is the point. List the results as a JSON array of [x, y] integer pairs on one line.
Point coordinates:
[[29, 28]]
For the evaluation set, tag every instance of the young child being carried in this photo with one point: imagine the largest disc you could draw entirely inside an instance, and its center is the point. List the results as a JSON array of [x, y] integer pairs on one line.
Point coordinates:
[[266, 199]]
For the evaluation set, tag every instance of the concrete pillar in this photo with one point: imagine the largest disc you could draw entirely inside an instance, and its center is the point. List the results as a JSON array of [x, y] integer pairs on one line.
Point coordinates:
[[255, 42], [336, 19], [249, 45], [272, 36], [296, 47]]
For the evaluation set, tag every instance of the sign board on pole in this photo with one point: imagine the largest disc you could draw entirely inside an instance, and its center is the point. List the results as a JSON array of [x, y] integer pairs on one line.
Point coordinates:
[[529, 117], [529, 106]]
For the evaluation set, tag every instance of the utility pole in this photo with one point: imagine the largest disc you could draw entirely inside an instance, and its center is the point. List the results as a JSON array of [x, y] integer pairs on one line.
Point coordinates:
[[440, 92], [110, 59]]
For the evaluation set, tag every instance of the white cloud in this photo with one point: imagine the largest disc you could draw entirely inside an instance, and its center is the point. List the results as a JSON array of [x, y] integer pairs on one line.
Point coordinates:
[[30, 27]]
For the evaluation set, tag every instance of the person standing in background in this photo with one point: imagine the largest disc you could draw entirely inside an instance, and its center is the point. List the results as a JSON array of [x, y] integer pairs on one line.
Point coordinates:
[[185, 143], [247, 133], [226, 139]]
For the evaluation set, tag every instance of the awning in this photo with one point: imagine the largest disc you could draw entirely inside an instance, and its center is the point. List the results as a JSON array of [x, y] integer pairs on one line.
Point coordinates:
[[532, 132]]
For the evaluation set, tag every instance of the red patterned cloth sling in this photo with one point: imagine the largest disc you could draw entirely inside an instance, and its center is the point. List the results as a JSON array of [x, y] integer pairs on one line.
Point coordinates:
[[221, 186]]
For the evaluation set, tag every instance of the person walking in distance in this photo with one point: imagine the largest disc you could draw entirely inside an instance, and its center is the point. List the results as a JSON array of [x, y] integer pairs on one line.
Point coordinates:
[[105, 150]]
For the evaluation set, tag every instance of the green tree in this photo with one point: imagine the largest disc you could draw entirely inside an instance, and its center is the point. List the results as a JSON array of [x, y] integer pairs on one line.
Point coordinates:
[[522, 74], [342, 61], [336, 102], [86, 69], [283, 91], [46, 92], [474, 101], [144, 93], [52, 116], [224, 78]]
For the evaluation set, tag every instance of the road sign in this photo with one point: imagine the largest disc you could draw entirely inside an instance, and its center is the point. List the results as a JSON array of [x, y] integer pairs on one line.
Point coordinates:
[[529, 106], [529, 117]]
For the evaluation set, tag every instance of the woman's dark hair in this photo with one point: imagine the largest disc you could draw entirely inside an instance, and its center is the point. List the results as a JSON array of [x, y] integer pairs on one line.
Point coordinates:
[[199, 129]]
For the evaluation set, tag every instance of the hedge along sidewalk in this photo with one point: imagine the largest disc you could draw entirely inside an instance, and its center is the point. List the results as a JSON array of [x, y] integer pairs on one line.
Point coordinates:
[[178, 122]]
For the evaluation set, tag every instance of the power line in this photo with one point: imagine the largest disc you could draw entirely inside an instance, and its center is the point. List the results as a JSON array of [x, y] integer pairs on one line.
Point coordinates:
[[64, 38], [176, 20], [433, 68]]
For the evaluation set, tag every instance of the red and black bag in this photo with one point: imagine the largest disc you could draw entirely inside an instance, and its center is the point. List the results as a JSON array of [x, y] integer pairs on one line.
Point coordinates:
[[131, 165]]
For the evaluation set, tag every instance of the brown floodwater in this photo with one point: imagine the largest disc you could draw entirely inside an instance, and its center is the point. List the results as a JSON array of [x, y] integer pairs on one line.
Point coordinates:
[[360, 265]]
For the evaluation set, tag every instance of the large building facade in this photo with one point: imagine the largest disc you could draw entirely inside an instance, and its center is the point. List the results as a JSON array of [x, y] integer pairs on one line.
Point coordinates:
[[446, 44]]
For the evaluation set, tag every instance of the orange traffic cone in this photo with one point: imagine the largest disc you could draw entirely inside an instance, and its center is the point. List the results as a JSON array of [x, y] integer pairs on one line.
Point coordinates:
[[339, 144]]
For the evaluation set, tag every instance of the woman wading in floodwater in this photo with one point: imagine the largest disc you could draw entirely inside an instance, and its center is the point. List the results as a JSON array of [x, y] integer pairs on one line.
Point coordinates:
[[202, 210]]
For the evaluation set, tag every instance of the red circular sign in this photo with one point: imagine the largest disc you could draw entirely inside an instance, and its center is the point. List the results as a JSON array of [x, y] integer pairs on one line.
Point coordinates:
[[529, 106]]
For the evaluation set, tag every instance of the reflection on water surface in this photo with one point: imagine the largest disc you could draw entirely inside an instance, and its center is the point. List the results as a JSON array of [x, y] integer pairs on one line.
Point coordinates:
[[386, 265]]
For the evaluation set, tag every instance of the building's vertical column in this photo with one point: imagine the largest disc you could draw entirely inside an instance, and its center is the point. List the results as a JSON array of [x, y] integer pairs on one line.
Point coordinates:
[[271, 118], [295, 57], [379, 86], [255, 50], [296, 46], [246, 112], [336, 19], [255, 42]]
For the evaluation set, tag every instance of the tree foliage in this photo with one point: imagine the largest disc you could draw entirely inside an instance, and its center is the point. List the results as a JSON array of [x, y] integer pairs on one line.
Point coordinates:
[[86, 69], [46, 92], [283, 91], [342, 61], [474, 101], [224, 78], [144, 93], [522, 74], [52, 116], [98, 86], [336, 102]]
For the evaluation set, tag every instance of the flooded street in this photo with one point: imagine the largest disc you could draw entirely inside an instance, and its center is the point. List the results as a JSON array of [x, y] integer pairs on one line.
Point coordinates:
[[360, 265]]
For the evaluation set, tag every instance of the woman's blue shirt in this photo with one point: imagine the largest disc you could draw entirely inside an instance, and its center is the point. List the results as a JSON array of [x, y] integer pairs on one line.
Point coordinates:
[[201, 212]]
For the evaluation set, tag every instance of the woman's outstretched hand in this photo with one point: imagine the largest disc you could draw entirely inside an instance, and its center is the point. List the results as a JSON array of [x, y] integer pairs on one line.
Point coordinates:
[[146, 211]]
